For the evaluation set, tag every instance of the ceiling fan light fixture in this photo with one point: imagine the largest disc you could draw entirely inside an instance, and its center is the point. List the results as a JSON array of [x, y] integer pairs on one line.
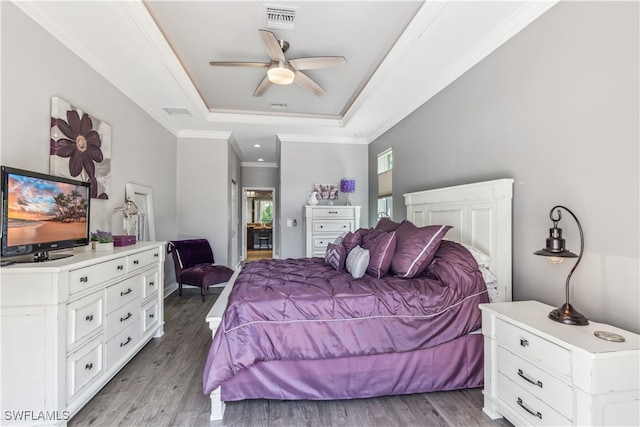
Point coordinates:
[[280, 74]]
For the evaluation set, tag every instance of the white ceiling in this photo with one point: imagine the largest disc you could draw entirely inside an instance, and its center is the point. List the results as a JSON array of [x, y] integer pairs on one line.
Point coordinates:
[[399, 54]]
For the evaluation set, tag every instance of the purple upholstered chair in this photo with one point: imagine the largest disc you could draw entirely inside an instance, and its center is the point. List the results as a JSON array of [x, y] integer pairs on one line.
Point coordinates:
[[194, 264]]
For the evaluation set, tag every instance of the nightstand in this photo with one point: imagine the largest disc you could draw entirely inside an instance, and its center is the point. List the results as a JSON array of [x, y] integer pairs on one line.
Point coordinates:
[[541, 372]]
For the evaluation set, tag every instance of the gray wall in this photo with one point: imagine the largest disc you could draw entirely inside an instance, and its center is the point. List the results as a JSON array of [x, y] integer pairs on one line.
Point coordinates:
[[35, 67], [555, 108], [303, 164], [203, 200]]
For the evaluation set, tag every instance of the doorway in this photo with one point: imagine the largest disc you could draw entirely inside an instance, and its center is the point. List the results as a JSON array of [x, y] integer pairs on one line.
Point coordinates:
[[258, 223]]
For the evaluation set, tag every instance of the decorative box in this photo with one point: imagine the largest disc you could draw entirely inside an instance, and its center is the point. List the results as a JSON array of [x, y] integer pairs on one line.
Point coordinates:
[[124, 240]]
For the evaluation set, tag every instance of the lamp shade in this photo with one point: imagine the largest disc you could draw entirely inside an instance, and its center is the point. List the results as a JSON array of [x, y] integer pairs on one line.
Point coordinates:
[[347, 185]]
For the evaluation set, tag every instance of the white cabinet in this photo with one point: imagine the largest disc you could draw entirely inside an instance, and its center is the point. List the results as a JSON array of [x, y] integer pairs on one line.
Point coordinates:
[[322, 224], [544, 373], [68, 326]]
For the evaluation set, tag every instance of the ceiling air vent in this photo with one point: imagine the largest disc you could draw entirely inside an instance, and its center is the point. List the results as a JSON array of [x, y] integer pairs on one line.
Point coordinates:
[[278, 105], [280, 17]]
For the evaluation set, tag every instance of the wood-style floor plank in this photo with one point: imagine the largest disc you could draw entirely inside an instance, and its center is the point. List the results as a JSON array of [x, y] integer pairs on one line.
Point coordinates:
[[162, 386]]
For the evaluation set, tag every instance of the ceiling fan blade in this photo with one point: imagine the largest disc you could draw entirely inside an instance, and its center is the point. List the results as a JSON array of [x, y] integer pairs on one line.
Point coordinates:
[[239, 64], [317, 62], [272, 45], [263, 86], [306, 82]]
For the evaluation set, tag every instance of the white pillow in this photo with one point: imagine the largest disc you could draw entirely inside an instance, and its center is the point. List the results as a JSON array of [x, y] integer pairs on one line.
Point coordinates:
[[357, 262]]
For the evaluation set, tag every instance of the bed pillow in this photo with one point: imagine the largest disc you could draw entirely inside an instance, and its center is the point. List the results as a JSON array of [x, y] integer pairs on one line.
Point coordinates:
[[415, 248], [335, 256], [385, 224], [357, 262], [381, 246], [353, 239]]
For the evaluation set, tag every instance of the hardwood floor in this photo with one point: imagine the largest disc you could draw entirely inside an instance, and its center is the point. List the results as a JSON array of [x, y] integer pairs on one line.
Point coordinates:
[[162, 386], [256, 254]]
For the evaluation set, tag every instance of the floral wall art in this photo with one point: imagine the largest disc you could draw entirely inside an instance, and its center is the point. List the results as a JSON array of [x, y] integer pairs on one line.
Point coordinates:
[[80, 147], [326, 191]]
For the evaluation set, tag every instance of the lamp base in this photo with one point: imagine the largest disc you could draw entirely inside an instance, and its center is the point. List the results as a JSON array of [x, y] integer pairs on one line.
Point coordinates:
[[568, 315]]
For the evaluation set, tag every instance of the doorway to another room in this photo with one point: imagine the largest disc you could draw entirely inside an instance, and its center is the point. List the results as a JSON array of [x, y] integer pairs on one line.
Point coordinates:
[[258, 215]]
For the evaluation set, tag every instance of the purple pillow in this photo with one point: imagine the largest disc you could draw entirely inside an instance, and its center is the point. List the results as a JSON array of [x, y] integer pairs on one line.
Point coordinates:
[[381, 247], [353, 239], [335, 256], [415, 248], [385, 224]]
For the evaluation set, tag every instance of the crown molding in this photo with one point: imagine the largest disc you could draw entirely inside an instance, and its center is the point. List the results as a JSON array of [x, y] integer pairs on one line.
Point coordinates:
[[322, 139], [204, 134], [258, 165]]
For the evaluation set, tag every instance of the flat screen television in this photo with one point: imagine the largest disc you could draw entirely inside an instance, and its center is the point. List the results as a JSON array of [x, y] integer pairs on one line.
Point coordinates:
[[42, 213]]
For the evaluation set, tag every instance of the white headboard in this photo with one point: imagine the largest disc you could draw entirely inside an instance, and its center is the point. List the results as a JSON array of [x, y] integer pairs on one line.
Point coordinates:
[[480, 214]]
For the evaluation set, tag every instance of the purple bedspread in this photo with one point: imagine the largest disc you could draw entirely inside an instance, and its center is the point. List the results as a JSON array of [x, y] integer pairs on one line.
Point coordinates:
[[300, 309]]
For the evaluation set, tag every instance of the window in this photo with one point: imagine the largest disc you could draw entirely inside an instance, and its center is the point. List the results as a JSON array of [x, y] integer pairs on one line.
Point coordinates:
[[385, 170]]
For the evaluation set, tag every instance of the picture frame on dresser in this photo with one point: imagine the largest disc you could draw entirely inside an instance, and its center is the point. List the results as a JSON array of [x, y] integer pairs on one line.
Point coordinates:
[[142, 196]]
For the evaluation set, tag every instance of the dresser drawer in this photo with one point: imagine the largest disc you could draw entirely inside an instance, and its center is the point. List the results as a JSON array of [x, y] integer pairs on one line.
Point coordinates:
[[538, 382], [332, 212], [531, 409], [523, 343], [337, 226], [149, 316], [149, 283], [121, 318], [85, 278], [83, 367], [142, 259], [84, 317], [122, 343], [122, 293]]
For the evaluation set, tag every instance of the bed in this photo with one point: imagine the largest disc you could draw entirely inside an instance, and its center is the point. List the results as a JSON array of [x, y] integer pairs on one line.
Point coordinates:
[[299, 329]]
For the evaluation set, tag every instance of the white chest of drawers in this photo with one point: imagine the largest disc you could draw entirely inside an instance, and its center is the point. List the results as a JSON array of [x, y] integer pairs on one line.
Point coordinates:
[[544, 373], [68, 326], [322, 224]]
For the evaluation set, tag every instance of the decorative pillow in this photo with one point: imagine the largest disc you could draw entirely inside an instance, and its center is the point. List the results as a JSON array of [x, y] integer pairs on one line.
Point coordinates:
[[381, 247], [357, 262], [415, 248], [385, 224], [335, 256], [340, 238], [353, 239]]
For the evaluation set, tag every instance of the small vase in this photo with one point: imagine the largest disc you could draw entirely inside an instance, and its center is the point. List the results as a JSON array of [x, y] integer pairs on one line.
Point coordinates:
[[102, 247]]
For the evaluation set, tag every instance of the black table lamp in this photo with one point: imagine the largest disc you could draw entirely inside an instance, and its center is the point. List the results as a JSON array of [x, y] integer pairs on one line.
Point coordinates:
[[556, 251]]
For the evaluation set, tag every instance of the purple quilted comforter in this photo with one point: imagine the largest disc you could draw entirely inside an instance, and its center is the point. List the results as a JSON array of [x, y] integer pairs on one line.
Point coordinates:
[[296, 309]]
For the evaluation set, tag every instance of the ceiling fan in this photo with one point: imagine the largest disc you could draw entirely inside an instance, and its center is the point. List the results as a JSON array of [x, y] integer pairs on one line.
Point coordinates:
[[285, 71]]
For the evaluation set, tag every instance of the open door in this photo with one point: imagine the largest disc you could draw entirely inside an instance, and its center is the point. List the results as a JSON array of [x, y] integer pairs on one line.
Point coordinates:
[[258, 225]]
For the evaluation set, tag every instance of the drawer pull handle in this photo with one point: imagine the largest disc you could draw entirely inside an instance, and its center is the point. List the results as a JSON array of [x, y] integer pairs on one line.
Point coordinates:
[[122, 319], [322, 226], [88, 366], [122, 344], [522, 374], [156, 255], [152, 283], [136, 262], [524, 343], [152, 315], [333, 212], [129, 290], [522, 405], [120, 267], [89, 318], [344, 226], [84, 279]]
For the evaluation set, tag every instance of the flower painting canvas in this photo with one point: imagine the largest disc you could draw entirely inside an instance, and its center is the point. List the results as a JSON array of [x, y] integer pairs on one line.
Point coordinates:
[[80, 147], [326, 191]]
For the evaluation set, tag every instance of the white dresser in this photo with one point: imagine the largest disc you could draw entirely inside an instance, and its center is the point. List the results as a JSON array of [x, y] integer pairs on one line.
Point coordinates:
[[68, 326], [322, 224], [544, 373]]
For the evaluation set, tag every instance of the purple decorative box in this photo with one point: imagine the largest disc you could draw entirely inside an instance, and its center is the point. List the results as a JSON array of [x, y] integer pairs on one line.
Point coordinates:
[[124, 240]]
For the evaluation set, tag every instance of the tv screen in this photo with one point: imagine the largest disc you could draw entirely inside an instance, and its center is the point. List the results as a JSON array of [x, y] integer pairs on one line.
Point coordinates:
[[42, 213]]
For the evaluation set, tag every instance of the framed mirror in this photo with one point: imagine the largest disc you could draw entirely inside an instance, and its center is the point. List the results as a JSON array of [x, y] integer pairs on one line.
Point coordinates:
[[143, 199]]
